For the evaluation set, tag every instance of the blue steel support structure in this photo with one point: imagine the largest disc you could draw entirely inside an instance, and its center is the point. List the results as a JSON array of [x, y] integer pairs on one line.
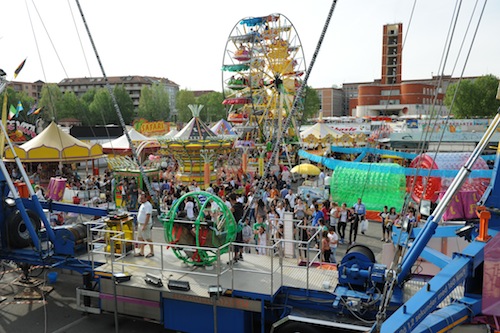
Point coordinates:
[[419, 308]]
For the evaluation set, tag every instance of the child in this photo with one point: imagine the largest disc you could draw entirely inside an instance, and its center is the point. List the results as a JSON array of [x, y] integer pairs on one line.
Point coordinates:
[[247, 233], [325, 247], [334, 240], [261, 240]]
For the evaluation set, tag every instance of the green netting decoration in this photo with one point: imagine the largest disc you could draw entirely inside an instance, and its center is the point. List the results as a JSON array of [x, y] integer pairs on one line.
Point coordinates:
[[372, 183], [213, 227]]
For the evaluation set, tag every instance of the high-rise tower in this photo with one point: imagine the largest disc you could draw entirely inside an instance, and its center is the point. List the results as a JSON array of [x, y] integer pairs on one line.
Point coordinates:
[[392, 47]]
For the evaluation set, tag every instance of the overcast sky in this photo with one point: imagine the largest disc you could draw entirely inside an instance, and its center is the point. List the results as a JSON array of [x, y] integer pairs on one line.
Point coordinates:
[[184, 41]]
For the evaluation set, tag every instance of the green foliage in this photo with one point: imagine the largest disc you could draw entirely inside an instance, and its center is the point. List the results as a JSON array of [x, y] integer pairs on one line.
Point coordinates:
[[154, 103], [213, 110], [474, 99], [13, 97], [51, 101], [183, 99], [125, 103], [102, 110], [311, 103]]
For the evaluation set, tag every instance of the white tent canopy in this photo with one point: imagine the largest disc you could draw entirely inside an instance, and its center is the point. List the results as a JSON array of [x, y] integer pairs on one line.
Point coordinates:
[[121, 143], [320, 131]]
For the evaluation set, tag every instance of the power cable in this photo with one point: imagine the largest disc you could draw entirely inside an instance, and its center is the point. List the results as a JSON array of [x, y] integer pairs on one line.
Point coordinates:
[[117, 109], [297, 100], [390, 284]]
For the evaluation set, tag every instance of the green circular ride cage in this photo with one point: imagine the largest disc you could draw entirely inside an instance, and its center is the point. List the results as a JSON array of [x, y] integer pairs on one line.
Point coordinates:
[[223, 231]]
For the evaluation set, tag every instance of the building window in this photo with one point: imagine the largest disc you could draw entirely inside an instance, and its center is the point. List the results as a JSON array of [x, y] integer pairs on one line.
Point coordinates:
[[389, 92]]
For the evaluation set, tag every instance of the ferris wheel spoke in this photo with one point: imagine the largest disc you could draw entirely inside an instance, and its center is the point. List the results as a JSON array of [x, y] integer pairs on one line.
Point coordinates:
[[266, 54]]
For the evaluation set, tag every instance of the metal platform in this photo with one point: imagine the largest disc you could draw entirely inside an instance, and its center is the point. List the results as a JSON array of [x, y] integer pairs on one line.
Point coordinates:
[[260, 275]]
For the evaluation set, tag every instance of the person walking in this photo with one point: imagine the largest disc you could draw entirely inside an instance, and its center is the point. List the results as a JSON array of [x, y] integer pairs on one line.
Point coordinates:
[[144, 226], [325, 246], [359, 215], [133, 194], [237, 210], [334, 240], [334, 215], [343, 219], [384, 214]]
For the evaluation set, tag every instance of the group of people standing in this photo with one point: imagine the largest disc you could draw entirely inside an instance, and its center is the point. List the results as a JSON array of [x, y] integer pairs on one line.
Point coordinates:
[[390, 218], [332, 220]]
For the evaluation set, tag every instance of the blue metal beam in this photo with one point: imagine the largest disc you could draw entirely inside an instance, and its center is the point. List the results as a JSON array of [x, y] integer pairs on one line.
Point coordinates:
[[425, 301], [450, 316], [435, 257]]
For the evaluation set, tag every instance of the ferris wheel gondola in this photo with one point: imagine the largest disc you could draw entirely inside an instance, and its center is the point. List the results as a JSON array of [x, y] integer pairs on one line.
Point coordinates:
[[262, 70]]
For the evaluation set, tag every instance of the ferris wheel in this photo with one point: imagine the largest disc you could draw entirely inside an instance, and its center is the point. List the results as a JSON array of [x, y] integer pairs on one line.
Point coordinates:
[[262, 71]]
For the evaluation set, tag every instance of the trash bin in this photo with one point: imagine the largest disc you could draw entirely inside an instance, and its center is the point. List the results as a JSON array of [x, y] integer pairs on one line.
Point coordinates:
[[52, 277]]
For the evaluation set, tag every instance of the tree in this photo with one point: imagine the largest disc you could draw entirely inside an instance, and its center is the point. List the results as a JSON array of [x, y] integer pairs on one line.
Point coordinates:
[[51, 99], [311, 103], [102, 110], [183, 99], [154, 103], [214, 110], [474, 98], [125, 104], [71, 107], [13, 98]]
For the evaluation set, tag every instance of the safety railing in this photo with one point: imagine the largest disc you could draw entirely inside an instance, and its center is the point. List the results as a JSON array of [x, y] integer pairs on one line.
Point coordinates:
[[100, 238]]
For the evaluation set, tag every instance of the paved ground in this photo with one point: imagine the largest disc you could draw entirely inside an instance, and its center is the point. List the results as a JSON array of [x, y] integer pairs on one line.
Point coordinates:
[[58, 313]]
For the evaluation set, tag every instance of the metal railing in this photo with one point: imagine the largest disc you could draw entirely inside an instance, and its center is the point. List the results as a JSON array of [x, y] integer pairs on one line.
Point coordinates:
[[100, 238]]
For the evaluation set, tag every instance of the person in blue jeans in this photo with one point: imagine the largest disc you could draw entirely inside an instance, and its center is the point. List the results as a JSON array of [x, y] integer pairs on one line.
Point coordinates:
[[334, 240], [359, 215]]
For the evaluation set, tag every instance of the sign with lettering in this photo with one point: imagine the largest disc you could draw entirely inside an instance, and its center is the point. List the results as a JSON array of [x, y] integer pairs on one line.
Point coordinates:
[[151, 128]]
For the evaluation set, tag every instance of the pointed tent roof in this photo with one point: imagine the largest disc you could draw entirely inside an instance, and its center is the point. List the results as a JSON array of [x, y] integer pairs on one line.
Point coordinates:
[[171, 133], [121, 143], [223, 127], [320, 131], [195, 130], [54, 145]]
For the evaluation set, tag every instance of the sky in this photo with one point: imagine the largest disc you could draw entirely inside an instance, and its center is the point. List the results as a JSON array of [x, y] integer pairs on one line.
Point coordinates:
[[184, 41]]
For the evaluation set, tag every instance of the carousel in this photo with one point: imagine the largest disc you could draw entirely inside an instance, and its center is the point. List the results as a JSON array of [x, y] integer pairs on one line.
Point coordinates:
[[196, 148], [51, 153]]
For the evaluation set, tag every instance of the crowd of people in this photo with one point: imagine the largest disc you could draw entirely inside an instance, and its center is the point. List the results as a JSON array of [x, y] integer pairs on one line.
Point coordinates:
[[258, 205]]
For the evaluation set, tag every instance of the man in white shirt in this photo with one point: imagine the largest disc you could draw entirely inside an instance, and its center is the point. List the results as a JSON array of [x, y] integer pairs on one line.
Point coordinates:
[[291, 198], [334, 240], [321, 178], [144, 225], [190, 209]]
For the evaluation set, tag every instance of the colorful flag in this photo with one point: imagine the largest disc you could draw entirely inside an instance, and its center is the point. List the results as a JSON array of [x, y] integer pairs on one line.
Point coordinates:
[[37, 111], [32, 109], [19, 108], [12, 112], [19, 68]]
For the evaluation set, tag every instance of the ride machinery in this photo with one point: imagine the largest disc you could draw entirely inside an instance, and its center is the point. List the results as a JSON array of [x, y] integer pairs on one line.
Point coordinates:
[[26, 235], [261, 73], [378, 294], [196, 148]]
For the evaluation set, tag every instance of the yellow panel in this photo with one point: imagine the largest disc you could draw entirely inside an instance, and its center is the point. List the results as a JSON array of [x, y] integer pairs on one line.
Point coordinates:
[[19, 152], [96, 150], [43, 153], [75, 151]]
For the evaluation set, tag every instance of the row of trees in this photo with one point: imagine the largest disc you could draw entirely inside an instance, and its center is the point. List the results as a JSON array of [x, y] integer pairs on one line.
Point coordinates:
[[474, 98], [96, 107]]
